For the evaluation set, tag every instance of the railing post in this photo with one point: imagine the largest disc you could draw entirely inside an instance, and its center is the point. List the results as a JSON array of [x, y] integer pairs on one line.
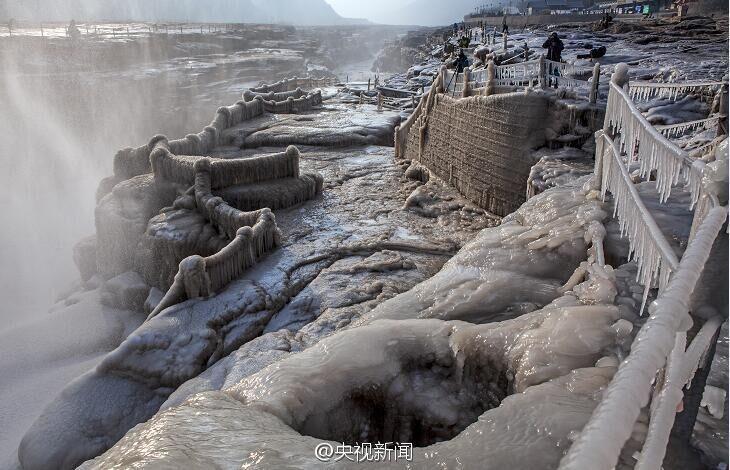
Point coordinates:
[[443, 79], [504, 42], [598, 157], [380, 101], [489, 87], [685, 420], [465, 88], [542, 72], [620, 77], [722, 122], [593, 97]]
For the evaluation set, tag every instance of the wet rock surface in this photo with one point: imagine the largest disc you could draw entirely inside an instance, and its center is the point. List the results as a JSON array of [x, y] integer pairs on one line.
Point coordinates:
[[335, 125]]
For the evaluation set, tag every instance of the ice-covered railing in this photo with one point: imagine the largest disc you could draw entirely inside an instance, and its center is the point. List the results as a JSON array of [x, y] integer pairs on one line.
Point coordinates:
[[646, 145], [522, 73], [293, 105], [647, 245], [563, 75], [199, 276], [130, 162], [225, 172], [677, 130], [542, 72], [225, 218], [566, 69], [249, 95], [644, 91], [290, 84], [661, 342], [402, 130]]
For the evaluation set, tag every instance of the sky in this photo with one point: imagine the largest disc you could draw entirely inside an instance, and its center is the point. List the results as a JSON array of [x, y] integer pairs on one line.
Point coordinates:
[[373, 10], [410, 12]]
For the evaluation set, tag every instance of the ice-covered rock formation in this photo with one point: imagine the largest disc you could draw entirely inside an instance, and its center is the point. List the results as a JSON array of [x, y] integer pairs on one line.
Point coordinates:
[[380, 383], [511, 269], [194, 248], [193, 219], [470, 369], [539, 248]]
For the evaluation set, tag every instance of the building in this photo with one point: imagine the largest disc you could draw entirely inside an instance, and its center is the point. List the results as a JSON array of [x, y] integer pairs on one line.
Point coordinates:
[[547, 7]]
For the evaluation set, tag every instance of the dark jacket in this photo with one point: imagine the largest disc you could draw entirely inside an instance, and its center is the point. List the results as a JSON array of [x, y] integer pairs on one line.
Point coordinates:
[[461, 62], [554, 48]]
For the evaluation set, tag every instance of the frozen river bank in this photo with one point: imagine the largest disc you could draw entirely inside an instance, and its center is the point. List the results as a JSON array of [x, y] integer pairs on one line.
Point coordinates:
[[357, 239]]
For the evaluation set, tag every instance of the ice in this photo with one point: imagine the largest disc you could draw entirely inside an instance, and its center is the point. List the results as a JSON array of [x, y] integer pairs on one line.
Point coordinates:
[[714, 400], [652, 155], [505, 269], [329, 392], [540, 335], [557, 168], [129, 384], [324, 333]]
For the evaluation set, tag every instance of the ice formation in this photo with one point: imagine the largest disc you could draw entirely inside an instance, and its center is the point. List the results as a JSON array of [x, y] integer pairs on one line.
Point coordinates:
[[644, 91], [655, 257], [514, 339], [557, 167], [539, 246], [669, 162], [379, 383]]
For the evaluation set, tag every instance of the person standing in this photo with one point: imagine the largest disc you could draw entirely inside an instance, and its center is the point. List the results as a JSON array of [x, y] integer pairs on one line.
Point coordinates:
[[554, 47]]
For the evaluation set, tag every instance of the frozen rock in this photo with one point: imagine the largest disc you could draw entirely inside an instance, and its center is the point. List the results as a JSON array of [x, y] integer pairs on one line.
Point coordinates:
[[335, 125], [380, 382], [525, 259], [132, 381], [153, 298], [127, 291], [121, 219], [545, 211], [84, 255]]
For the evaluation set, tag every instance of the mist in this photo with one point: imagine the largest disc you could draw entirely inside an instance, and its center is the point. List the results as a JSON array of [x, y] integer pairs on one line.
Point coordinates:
[[67, 106], [410, 12], [305, 12], [222, 11]]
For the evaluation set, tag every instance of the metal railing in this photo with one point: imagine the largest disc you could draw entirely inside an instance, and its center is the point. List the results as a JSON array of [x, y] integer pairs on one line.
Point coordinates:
[[660, 344]]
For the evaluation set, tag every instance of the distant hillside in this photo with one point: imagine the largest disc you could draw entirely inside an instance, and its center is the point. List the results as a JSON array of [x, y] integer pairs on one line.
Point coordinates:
[[312, 12], [429, 12]]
